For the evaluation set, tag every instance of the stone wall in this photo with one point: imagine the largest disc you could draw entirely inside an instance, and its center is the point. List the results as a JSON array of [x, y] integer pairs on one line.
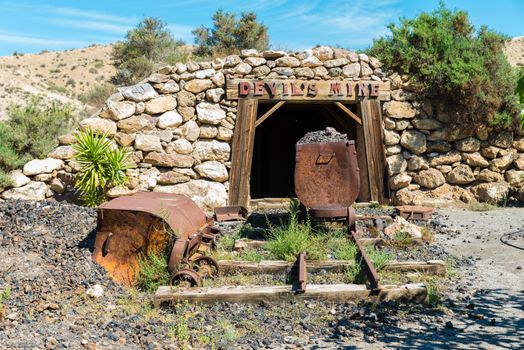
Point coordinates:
[[179, 127]]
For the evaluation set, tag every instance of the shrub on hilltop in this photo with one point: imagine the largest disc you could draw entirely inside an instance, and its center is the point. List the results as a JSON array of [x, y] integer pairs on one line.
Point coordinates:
[[450, 61]]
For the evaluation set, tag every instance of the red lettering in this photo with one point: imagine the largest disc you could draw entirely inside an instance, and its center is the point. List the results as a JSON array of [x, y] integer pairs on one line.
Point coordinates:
[[244, 88], [259, 88], [284, 89], [335, 89], [363, 89], [349, 89], [312, 89], [374, 90], [297, 90]]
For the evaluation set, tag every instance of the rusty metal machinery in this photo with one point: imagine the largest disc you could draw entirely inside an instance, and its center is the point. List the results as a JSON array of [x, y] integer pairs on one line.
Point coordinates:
[[151, 222], [327, 183]]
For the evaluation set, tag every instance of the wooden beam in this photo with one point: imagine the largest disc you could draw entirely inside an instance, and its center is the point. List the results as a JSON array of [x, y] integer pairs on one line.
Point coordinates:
[[268, 113], [348, 112], [433, 267], [242, 152], [253, 294]]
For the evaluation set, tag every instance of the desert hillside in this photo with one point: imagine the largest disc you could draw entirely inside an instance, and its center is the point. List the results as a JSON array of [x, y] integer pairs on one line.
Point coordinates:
[[64, 76], [515, 51]]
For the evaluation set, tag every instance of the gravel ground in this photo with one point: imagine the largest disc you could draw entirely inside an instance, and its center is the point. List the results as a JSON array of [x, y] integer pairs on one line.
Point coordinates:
[[45, 262], [323, 136]]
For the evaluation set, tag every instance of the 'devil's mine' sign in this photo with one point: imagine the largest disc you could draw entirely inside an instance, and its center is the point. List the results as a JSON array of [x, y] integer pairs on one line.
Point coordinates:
[[338, 90]]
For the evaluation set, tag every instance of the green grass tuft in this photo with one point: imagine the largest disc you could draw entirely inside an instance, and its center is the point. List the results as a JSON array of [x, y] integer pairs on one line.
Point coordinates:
[[152, 272]]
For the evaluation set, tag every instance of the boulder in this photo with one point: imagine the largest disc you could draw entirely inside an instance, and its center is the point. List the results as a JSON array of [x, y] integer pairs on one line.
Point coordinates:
[[231, 61], [170, 87], [161, 104], [287, 61], [198, 85], [99, 126], [391, 137], [501, 164], [515, 177], [169, 119], [57, 186], [417, 163], [224, 134], [210, 113], [351, 70], [399, 110], [208, 132], [399, 181], [205, 73], [493, 192], [448, 158], [426, 124], [121, 191], [311, 62], [185, 99], [180, 146], [414, 141], [460, 175], [431, 178], [215, 95], [213, 170], [487, 175], [66, 139], [402, 225], [148, 143], [519, 145], [125, 139], [169, 160], [255, 61], [365, 70], [190, 130], [323, 53], [148, 179], [136, 123], [519, 162], [33, 191], [304, 72], [475, 159], [337, 62], [243, 68], [120, 110], [503, 139], [206, 194], [42, 166], [139, 92], [211, 150], [490, 152], [173, 177], [439, 146], [18, 179], [62, 152], [272, 54], [469, 144], [187, 113], [396, 164]]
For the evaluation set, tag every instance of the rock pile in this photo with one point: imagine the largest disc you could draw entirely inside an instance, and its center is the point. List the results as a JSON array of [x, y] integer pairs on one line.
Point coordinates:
[[323, 136]]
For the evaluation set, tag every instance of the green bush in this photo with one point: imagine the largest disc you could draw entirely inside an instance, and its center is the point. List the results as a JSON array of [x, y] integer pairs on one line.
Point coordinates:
[[146, 46], [451, 62], [97, 95], [229, 36], [31, 132], [103, 165]]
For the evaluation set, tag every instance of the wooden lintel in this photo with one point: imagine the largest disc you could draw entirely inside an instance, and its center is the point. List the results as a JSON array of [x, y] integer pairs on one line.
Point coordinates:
[[348, 112], [253, 294], [268, 113], [433, 267]]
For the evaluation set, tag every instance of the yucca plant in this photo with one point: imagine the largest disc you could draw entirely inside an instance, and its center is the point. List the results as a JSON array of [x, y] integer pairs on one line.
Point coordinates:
[[102, 166]]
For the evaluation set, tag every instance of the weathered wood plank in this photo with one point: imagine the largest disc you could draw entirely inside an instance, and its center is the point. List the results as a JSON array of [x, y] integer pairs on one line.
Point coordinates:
[[242, 152], [252, 294], [348, 112], [309, 90], [375, 150], [268, 113], [434, 267]]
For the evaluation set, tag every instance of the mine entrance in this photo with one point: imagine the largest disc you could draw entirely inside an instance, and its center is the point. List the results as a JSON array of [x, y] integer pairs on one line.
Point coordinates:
[[273, 165]]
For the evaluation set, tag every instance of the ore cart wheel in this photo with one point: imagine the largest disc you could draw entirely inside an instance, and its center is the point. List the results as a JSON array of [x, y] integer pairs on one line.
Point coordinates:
[[186, 278], [206, 266]]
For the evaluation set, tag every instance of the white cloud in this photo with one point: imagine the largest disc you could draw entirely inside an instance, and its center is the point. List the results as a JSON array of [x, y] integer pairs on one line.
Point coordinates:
[[31, 40], [92, 25], [93, 15]]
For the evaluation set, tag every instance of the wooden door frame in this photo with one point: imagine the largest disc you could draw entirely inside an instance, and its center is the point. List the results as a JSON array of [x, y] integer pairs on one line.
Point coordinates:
[[371, 152]]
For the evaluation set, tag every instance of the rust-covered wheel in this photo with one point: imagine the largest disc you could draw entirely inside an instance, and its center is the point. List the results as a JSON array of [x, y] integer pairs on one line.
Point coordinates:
[[206, 266], [186, 278]]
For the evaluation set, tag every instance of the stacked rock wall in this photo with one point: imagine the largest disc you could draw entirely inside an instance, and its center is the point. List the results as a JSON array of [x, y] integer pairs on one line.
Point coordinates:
[[179, 125]]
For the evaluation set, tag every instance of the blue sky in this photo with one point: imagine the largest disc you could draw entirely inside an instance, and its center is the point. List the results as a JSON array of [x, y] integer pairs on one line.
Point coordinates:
[[32, 26]]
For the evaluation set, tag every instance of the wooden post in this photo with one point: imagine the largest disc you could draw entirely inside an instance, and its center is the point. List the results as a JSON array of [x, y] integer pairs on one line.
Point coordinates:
[[375, 151], [242, 152]]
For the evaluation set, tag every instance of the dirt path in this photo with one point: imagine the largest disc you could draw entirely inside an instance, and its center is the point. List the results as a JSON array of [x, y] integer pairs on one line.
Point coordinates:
[[486, 311]]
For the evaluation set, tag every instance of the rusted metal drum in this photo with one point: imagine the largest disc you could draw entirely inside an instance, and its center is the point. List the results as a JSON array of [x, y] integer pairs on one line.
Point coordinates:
[[128, 226], [327, 176]]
